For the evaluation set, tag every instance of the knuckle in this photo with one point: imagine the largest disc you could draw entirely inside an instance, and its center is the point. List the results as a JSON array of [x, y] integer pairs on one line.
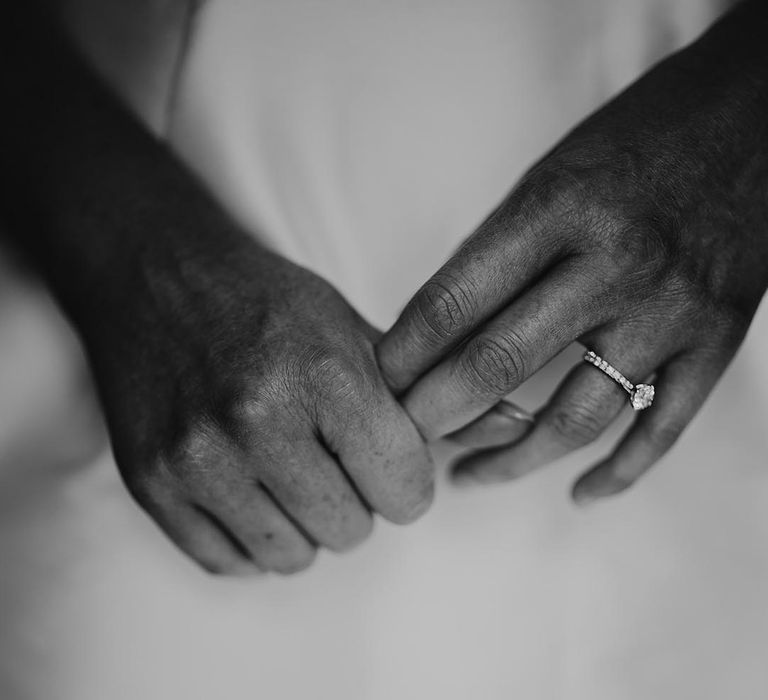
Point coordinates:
[[249, 409], [566, 194], [250, 413], [338, 374], [496, 365], [145, 485], [192, 453], [264, 398], [445, 306], [576, 424], [334, 376], [553, 188], [636, 250]]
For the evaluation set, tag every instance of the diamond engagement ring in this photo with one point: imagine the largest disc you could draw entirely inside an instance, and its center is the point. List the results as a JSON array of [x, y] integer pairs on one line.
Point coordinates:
[[640, 395]]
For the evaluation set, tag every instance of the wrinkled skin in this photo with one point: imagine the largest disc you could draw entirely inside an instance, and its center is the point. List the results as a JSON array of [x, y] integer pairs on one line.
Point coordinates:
[[642, 235], [244, 402], [245, 406]]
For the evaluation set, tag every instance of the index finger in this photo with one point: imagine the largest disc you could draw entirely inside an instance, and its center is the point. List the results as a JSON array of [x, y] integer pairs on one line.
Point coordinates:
[[508, 250], [506, 351], [381, 451]]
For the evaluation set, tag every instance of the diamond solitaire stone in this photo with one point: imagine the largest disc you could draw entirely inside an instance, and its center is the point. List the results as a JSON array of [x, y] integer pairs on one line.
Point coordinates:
[[642, 396]]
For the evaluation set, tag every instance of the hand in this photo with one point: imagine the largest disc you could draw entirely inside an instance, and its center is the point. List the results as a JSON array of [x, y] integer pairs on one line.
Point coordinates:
[[245, 407], [246, 410], [643, 235]]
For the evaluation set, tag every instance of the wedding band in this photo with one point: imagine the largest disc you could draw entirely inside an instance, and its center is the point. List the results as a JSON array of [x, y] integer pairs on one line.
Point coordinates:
[[640, 395]]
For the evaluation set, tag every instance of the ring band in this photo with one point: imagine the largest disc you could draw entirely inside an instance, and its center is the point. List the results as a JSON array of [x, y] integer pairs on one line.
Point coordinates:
[[640, 395]]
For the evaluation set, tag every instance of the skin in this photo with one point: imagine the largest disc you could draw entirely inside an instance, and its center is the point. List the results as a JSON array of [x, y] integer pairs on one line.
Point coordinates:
[[247, 413], [245, 407], [642, 235], [246, 410]]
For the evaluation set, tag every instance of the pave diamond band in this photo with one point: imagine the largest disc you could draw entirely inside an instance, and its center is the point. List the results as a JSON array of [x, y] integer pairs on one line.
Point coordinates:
[[640, 395]]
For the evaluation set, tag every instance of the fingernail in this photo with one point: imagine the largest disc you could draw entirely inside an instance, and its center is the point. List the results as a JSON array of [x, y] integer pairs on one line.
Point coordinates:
[[511, 410]]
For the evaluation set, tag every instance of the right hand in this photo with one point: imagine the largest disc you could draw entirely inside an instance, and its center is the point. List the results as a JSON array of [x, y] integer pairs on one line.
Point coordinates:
[[246, 409]]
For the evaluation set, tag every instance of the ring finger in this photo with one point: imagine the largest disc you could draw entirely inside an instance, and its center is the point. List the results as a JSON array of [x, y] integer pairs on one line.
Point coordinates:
[[582, 407]]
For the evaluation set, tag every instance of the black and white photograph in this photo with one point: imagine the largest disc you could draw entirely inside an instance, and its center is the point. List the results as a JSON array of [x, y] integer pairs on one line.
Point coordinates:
[[384, 350]]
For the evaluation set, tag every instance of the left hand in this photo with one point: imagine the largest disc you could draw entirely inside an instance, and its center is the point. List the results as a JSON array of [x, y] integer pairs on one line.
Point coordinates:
[[643, 235]]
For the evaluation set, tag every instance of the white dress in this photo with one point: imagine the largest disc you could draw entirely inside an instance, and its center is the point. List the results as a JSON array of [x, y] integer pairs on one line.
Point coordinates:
[[365, 140]]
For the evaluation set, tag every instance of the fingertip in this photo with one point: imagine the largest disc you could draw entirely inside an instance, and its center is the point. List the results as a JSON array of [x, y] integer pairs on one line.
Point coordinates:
[[502, 425], [297, 563], [410, 509], [420, 487], [581, 496], [596, 484], [406, 489], [355, 535], [486, 467], [422, 506]]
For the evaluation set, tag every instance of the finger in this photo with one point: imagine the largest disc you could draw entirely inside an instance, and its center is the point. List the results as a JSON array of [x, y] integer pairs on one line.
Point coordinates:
[[508, 350], [310, 486], [199, 536], [682, 388], [503, 424], [216, 474], [582, 407], [272, 541], [381, 451], [508, 250]]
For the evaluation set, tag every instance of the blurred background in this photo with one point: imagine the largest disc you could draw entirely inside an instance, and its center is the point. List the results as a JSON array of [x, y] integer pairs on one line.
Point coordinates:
[[366, 140]]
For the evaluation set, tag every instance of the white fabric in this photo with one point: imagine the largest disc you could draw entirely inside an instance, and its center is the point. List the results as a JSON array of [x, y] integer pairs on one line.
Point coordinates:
[[365, 140]]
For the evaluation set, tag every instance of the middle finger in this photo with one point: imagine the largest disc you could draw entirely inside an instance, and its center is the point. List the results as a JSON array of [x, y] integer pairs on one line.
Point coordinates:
[[509, 349]]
